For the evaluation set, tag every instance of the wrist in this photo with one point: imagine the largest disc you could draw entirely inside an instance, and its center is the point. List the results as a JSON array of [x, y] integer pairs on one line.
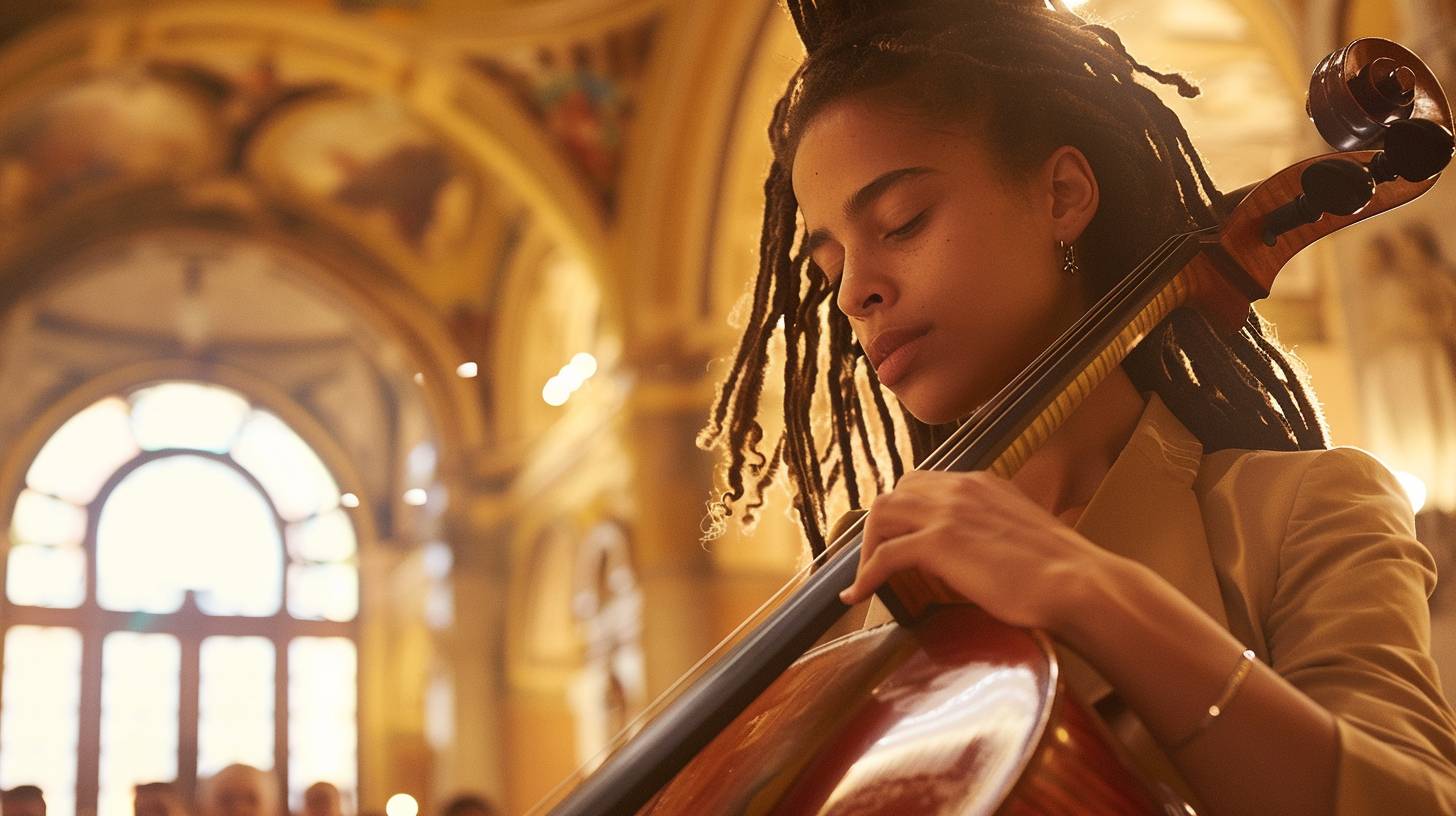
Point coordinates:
[[1101, 602]]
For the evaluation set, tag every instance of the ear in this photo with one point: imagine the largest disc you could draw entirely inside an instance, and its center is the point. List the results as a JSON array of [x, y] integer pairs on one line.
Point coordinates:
[[1072, 188]]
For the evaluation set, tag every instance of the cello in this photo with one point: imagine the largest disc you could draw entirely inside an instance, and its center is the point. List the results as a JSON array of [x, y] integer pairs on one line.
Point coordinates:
[[948, 710]]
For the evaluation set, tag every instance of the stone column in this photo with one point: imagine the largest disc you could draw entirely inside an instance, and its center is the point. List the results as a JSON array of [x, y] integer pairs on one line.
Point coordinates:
[[671, 483], [473, 646]]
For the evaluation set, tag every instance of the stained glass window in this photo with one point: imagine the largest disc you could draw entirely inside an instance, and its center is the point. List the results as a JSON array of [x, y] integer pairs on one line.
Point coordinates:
[[322, 736], [39, 720], [235, 710], [170, 511], [47, 566], [201, 510], [84, 453], [187, 416], [289, 470], [139, 689]]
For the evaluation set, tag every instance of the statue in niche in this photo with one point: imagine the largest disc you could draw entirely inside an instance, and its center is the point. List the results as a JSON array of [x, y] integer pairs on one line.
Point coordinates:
[[607, 605]]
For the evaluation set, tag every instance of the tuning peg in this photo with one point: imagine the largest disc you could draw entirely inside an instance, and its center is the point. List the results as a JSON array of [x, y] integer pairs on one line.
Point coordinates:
[[1337, 186], [1415, 150]]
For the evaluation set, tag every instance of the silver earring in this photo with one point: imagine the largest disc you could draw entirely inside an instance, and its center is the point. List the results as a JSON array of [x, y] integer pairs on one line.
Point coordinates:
[[1069, 257]]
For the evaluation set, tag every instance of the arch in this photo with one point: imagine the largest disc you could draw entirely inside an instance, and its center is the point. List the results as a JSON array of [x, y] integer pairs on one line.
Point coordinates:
[[515, 358], [24, 449], [192, 627], [674, 166], [330, 265], [479, 118]]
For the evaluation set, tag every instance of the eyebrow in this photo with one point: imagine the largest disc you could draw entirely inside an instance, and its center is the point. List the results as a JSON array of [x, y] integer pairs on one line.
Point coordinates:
[[866, 196]]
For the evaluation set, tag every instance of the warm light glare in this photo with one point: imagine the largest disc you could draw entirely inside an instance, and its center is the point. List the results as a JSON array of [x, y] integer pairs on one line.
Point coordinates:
[[556, 391], [416, 497], [572, 376], [583, 363], [1415, 489], [1071, 4], [467, 370], [401, 804]]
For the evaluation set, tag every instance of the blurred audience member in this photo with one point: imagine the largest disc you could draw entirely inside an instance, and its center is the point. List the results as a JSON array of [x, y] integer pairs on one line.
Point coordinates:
[[157, 799], [240, 790], [23, 800], [322, 799], [469, 804]]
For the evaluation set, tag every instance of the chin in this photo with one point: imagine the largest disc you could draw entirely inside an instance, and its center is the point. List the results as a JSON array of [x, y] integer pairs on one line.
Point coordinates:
[[931, 411], [938, 407]]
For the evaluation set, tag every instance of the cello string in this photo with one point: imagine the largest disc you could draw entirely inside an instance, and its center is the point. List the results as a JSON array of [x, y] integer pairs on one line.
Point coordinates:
[[985, 417], [987, 414], [1040, 370], [980, 422]]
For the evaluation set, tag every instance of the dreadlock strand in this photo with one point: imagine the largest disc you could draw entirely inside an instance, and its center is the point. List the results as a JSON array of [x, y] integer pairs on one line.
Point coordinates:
[[1185, 88], [840, 417], [887, 423], [806, 20]]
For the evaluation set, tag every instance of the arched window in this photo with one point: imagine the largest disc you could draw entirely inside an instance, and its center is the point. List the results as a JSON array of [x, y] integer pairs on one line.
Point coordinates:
[[180, 593]]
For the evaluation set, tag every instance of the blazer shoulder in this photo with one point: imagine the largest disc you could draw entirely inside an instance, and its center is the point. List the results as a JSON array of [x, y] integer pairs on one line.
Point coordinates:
[[1271, 472]]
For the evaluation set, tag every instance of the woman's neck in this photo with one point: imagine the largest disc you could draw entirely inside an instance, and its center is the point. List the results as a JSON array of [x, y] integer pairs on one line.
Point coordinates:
[[1065, 471]]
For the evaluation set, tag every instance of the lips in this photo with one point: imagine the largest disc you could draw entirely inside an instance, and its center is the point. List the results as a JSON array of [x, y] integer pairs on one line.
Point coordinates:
[[892, 351]]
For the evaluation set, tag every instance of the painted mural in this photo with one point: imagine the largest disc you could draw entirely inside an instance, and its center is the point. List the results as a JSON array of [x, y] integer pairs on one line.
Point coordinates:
[[100, 135], [583, 94], [371, 164]]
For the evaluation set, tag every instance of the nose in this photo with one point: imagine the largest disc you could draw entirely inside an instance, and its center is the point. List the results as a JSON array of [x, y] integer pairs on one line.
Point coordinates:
[[861, 290]]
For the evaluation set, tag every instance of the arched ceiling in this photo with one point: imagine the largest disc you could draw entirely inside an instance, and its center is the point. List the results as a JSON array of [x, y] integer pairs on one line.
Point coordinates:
[[419, 135], [213, 301]]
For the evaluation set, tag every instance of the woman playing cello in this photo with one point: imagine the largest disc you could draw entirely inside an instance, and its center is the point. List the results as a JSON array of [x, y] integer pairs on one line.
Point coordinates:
[[1246, 603]]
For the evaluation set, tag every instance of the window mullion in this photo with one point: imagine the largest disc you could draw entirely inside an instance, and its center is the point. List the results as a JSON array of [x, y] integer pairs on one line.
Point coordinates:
[[280, 715], [187, 710], [88, 746]]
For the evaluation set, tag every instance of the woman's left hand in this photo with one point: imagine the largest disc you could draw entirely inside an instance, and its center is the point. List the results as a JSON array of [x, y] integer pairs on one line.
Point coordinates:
[[987, 542]]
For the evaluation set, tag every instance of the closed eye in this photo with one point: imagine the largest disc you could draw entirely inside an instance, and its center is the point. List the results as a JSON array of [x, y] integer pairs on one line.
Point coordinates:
[[909, 227]]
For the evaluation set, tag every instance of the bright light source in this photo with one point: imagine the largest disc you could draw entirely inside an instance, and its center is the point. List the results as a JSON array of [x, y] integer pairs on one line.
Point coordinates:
[[419, 378], [401, 804], [467, 370], [1415, 489], [437, 558], [572, 376], [416, 497], [349, 500], [780, 324], [584, 364], [1071, 4], [556, 391]]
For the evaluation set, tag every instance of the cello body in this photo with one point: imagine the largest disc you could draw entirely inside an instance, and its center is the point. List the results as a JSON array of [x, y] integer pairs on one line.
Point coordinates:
[[959, 714]]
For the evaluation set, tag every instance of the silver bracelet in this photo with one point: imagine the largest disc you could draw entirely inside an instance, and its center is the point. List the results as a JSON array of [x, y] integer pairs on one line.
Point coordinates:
[[1235, 681]]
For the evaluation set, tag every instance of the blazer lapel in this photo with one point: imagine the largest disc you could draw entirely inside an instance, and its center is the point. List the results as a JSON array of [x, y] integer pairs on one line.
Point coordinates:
[[1146, 509]]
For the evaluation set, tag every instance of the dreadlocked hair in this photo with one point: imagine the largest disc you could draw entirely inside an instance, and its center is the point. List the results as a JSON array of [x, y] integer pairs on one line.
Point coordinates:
[[1032, 76]]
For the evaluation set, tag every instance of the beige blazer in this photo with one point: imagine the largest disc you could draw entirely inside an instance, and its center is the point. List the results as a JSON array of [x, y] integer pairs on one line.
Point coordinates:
[[1310, 559]]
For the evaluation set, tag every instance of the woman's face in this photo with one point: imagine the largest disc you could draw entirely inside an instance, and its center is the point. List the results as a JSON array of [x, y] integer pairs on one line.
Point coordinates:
[[947, 266]]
